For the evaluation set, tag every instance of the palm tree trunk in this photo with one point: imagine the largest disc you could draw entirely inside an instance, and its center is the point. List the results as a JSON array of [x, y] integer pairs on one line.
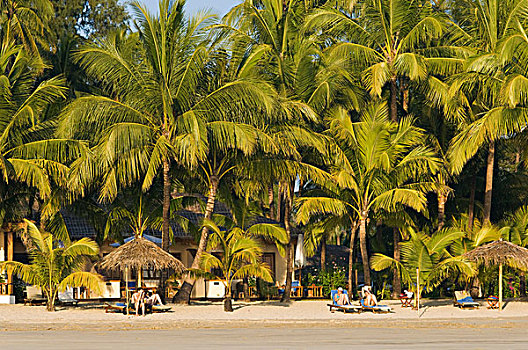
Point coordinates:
[[489, 182], [442, 198], [393, 100], [289, 259], [245, 285], [351, 259], [471, 211], [522, 284], [166, 206], [184, 294], [228, 303], [271, 202], [323, 254], [396, 279], [363, 248]]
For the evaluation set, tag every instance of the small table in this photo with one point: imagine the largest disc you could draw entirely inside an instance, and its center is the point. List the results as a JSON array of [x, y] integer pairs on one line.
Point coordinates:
[[493, 302], [406, 301]]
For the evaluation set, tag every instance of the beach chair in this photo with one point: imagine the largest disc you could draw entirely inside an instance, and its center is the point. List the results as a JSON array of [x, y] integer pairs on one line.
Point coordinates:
[[344, 308], [161, 308], [378, 309], [34, 296], [464, 301], [117, 307], [66, 298]]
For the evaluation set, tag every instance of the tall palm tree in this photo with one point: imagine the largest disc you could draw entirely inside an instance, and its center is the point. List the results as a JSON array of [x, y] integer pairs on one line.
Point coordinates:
[[306, 83], [55, 263], [377, 166], [491, 83], [393, 41], [156, 102]]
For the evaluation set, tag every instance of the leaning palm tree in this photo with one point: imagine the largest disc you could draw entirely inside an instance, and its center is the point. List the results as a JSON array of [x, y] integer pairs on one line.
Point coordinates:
[[239, 255], [380, 165], [55, 264], [157, 99]]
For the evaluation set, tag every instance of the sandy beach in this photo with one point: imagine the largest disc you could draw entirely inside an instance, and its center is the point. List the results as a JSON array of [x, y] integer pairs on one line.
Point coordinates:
[[300, 324]]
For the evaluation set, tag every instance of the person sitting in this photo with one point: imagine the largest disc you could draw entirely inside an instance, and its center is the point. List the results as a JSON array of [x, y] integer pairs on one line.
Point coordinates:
[[154, 298], [138, 300], [341, 298], [370, 298]]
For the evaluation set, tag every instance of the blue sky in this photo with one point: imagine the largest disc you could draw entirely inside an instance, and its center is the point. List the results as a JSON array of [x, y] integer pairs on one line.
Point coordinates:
[[219, 7]]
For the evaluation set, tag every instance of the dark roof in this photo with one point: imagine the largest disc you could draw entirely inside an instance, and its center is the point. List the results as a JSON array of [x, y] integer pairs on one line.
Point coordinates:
[[79, 227]]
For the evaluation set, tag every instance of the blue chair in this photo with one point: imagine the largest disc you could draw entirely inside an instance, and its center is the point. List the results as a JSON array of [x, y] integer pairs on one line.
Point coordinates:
[[464, 300], [344, 308]]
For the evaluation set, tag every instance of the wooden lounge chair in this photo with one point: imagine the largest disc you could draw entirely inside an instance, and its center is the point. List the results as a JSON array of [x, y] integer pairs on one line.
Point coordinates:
[[161, 308], [377, 309], [66, 298], [34, 296], [117, 307], [344, 308], [464, 301]]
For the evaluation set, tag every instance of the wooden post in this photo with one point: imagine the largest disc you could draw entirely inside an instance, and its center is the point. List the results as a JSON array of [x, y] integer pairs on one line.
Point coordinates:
[[140, 275], [500, 287], [418, 290], [10, 250], [126, 289]]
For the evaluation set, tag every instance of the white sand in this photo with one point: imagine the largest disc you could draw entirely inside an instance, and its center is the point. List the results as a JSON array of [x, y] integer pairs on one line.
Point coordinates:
[[258, 314]]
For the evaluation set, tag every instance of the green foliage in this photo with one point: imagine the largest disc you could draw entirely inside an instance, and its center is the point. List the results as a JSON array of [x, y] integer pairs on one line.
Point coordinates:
[[330, 279], [55, 264]]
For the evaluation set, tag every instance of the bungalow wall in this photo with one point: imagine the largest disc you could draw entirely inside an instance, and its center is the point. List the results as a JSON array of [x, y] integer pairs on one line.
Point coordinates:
[[184, 250]]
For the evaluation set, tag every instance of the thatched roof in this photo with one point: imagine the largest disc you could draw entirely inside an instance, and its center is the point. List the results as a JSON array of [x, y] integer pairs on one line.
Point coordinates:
[[140, 253], [500, 252]]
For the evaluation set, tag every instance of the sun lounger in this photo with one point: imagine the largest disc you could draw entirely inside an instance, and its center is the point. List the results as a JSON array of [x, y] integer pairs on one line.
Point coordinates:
[[161, 308], [34, 296], [464, 301], [344, 308], [381, 309], [66, 298], [117, 307]]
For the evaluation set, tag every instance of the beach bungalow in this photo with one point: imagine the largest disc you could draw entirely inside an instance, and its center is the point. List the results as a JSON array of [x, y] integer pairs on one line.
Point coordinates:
[[183, 247]]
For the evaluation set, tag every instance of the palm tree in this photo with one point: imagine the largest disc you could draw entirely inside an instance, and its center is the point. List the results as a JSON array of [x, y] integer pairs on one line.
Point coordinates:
[[377, 166], [393, 41], [55, 263], [240, 254], [306, 82], [32, 161], [156, 104], [25, 22], [428, 255], [491, 84]]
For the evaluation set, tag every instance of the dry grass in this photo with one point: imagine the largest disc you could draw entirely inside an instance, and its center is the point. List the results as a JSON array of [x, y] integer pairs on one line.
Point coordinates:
[[500, 252], [140, 253]]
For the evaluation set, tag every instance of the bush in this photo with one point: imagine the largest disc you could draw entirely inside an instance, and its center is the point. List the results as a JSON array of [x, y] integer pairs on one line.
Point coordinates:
[[329, 279]]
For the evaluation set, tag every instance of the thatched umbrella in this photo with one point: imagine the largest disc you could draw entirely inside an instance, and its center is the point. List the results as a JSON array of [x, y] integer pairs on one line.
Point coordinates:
[[500, 253], [138, 254]]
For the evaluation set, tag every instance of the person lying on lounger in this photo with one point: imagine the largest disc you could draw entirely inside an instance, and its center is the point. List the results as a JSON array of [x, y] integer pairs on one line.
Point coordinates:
[[370, 298], [341, 298]]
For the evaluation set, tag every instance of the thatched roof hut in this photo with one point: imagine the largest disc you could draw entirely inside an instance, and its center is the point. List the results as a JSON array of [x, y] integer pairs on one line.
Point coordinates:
[[500, 253], [138, 254]]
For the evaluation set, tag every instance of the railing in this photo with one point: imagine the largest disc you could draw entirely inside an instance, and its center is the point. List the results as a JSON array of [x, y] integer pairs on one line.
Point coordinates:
[[6, 288]]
